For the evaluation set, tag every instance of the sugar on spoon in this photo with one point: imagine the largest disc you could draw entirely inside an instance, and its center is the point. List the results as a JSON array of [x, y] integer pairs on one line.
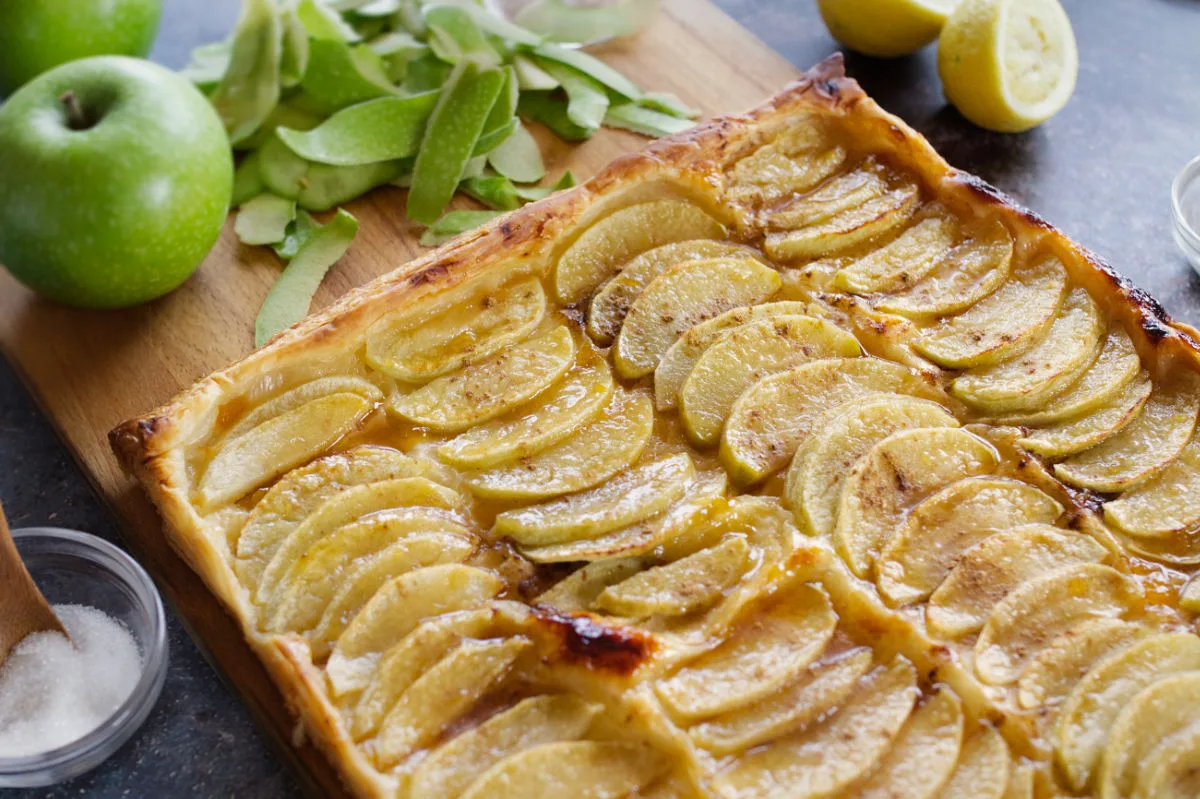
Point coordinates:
[[23, 609]]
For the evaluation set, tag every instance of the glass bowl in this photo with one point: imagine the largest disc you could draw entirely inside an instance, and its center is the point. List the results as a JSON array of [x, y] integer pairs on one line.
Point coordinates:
[[1185, 212], [80, 569]]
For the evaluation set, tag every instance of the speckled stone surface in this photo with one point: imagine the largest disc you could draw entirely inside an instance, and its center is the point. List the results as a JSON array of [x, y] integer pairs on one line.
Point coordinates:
[[1100, 170]]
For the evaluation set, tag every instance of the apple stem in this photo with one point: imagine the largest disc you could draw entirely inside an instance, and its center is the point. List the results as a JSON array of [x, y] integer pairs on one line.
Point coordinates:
[[76, 118]]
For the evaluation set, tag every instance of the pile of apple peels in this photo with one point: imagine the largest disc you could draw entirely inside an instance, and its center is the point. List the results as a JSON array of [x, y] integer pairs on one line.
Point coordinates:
[[328, 99]]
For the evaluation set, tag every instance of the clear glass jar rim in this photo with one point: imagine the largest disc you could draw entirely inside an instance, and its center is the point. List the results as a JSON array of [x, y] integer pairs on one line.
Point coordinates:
[[1187, 176]]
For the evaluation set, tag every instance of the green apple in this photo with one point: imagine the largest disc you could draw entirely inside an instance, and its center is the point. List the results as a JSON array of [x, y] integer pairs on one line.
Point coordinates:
[[37, 35], [115, 180]]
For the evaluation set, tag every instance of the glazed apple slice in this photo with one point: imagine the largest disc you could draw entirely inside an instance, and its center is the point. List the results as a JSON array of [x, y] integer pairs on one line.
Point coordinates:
[[1050, 675], [301, 395], [839, 195], [598, 253], [574, 768], [924, 753], [1169, 771], [1164, 505], [683, 296], [850, 228], [1154, 715], [1068, 438], [579, 590], [787, 166], [983, 768], [902, 261], [689, 584], [475, 322]]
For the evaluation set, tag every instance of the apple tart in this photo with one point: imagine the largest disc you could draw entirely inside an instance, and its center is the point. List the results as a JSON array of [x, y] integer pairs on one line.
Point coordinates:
[[779, 460]]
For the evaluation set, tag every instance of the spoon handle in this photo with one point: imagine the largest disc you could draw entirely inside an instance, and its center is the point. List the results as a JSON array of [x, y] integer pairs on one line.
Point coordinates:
[[23, 609]]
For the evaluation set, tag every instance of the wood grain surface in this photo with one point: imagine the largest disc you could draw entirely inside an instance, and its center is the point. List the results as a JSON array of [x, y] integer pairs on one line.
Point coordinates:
[[91, 370]]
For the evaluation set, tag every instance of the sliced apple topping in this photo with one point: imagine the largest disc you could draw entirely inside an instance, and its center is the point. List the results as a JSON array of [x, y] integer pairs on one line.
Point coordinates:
[[1145, 447], [924, 753], [1164, 505], [1003, 323], [962, 277], [766, 653], [1070, 345], [1068, 438], [841, 194], [983, 767], [779, 169], [772, 418], [611, 304], [1169, 771], [585, 769], [538, 424], [683, 296], [577, 591], [745, 355], [817, 691], [486, 389], [994, 567], [1088, 714], [853, 227], [1152, 716], [680, 357], [1052, 672], [685, 586], [396, 609], [901, 262], [302, 395], [606, 445], [419, 344], [827, 758], [598, 253], [452, 767], [921, 553], [821, 466]]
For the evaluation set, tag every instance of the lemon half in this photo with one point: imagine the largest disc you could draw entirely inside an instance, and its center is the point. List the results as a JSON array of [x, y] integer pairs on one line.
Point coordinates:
[[885, 28], [1008, 65]]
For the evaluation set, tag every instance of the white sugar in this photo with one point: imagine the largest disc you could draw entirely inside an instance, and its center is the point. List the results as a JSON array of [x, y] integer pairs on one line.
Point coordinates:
[[54, 691]]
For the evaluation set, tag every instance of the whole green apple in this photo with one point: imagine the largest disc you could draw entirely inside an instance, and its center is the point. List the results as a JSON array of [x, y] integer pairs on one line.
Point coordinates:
[[115, 181], [37, 35]]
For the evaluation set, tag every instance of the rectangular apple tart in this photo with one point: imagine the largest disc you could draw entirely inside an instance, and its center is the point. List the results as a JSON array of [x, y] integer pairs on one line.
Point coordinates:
[[778, 460]]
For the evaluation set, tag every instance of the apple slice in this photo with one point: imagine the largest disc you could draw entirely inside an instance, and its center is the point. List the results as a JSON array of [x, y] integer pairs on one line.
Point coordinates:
[[761, 657], [685, 586], [745, 355], [1068, 438], [818, 691], [1158, 712], [983, 767], [611, 304], [485, 389], [680, 357], [584, 769], [628, 498], [606, 445], [901, 262], [1164, 505], [598, 253], [853, 227], [475, 322], [782, 168], [1147, 445], [1045, 607], [301, 395], [772, 418], [896, 474], [827, 758], [921, 553], [452, 767], [685, 295], [396, 609], [1070, 346], [763, 518], [577, 591], [997, 565], [822, 464], [1169, 771], [1003, 323], [923, 755], [441, 695], [1052, 672], [839, 195]]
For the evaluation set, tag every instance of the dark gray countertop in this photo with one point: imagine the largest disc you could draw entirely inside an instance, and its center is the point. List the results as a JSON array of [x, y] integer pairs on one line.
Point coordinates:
[[1100, 170]]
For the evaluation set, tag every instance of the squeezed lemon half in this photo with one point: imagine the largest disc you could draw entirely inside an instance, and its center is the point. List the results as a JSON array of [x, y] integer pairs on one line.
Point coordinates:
[[885, 28]]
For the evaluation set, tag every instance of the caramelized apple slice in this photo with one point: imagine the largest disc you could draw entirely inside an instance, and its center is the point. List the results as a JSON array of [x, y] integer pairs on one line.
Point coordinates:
[[1147, 445], [924, 754], [1067, 438], [1169, 771], [767, 653], [421, 343], [841, 194], [301, 395], [685, 295], [772, 418], [781, 168], [745, 355], [822, 464], [1164, 505], [676, 589], [824, 760], [1001, 324], [598, 253], [853, 227], [677, 362], [584, 769], [452, 767], [485, 389], [1058, 359], [1155, 714], [902, 261], [921, 553], [820, 689], [982, 771], [606, 445], [628, 498], [996, 566], [579, 590], [1049, 677]]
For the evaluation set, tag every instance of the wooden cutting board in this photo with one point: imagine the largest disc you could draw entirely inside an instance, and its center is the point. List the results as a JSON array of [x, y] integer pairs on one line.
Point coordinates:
[[91, 370]]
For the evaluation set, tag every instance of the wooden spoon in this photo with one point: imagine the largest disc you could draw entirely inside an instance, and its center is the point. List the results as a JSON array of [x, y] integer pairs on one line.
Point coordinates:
[[23, 609]]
